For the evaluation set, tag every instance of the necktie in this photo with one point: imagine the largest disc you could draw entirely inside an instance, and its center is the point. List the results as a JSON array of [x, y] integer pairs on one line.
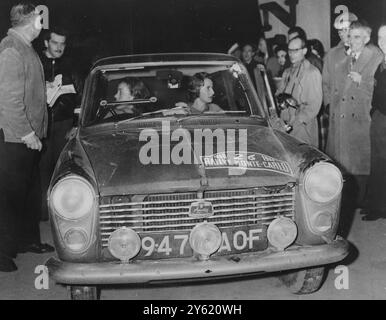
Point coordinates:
[[354, 58]]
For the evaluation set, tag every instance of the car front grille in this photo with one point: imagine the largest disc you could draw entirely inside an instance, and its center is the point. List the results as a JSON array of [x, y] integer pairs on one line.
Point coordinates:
[[170, 212]]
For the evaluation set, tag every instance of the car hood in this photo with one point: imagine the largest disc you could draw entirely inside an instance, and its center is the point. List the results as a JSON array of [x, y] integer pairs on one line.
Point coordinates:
[[119, 168]]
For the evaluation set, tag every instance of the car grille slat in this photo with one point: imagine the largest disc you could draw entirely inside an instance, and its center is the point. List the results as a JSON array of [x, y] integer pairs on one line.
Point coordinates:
[[266, 221], [181, 220], [144, 209], [129, 205], [216, 212], [144, 203], [149, 220], [170, 212]]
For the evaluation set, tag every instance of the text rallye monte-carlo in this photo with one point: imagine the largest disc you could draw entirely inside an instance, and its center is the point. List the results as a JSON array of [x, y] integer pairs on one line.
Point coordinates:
[[150, 189]]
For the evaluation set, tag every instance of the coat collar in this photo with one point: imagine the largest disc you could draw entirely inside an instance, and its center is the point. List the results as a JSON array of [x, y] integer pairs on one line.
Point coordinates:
[[12, 32]]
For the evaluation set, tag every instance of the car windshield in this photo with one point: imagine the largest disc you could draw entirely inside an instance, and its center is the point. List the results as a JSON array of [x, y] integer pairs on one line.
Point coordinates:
[[139, 92]]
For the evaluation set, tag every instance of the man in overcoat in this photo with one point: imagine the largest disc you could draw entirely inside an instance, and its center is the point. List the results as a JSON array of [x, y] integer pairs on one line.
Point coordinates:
[[348, 89]]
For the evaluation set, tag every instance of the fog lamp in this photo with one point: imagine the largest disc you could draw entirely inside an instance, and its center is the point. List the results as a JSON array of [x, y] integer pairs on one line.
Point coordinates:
[[322, 222], [282, 233], [205, 239], [323, 182], [124, 244], [76, 240]]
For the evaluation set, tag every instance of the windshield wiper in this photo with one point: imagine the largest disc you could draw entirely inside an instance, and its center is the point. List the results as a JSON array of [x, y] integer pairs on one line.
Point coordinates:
[[147, 114], [105, 104], [181, 112], [106, 107]]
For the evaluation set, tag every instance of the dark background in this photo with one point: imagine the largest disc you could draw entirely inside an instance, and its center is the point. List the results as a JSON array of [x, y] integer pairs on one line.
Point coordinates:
[[112, 27], [373, 11]]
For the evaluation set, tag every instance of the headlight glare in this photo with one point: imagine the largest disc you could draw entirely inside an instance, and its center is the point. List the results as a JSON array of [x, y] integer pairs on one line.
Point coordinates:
[[281, 233], [322, 222], [76, 240], [72, 198], [323, 182], [205, 239], [124, 244]]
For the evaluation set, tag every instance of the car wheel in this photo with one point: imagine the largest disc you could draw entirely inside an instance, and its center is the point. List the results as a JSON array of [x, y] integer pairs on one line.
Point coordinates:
[[304, 281], [84, 293]]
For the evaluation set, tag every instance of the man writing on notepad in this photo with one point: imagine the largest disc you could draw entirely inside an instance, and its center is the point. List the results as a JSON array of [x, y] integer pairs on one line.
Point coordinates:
[[62, 98]]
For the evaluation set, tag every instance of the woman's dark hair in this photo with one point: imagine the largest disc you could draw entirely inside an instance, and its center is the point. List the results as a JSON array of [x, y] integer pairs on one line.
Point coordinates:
[[317, 46], [267, 44], [137, 88], [281, 47], [195, 84]]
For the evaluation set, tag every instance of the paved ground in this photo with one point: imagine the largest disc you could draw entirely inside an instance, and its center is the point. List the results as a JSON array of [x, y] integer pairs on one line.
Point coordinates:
[[366, 265]]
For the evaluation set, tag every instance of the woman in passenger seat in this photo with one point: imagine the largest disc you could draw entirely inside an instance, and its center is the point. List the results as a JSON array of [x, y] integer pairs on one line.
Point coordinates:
[[201, 94]]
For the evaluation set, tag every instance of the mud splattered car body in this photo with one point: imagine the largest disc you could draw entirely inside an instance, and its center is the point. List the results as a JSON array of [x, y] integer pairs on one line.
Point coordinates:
[[142, 197]]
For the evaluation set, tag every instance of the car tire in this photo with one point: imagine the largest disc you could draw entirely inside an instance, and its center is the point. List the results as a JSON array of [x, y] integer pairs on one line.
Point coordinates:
[[84, 293], [304, 281]]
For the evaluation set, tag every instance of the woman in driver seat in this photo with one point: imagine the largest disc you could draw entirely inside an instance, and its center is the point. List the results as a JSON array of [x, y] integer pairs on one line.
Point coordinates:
[[201, 94], [130, 89]]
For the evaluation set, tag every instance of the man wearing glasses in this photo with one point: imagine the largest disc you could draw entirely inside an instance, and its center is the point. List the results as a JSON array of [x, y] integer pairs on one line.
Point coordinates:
[[303, 82]]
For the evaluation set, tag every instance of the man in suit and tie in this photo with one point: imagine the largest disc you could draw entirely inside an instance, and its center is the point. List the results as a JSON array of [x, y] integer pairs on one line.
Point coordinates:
[[348, 91]]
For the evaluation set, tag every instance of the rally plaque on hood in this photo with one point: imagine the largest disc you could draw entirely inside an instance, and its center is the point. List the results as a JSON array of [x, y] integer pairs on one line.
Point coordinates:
[[245, 161]]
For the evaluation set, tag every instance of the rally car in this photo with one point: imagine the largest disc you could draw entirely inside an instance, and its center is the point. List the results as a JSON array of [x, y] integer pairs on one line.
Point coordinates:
[[147, 191]]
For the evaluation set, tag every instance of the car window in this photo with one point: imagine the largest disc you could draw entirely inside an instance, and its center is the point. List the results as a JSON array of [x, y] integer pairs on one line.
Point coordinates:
[[118, 95]]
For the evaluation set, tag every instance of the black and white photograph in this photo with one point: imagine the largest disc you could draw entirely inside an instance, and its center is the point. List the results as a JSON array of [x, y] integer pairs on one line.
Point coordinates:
[[193, 155]]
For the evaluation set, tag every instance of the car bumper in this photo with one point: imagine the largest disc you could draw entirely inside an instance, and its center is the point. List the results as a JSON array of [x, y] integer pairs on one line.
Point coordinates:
[[149, 271]]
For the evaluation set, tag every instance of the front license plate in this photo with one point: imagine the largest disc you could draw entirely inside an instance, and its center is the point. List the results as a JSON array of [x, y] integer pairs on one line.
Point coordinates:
[[176, 244]]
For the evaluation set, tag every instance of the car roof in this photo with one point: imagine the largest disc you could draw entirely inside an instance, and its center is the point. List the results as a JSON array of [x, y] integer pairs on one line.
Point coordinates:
[[162, 58]]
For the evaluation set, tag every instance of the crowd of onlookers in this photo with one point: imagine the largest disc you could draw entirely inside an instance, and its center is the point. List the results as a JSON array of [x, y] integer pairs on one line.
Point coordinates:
[[272, 56], [334, 101]]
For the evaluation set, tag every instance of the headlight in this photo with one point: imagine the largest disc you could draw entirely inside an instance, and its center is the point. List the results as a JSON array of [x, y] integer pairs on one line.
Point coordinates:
[[76, 240], [205, 239], [322, 222], [323, 182], [72, 197]]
